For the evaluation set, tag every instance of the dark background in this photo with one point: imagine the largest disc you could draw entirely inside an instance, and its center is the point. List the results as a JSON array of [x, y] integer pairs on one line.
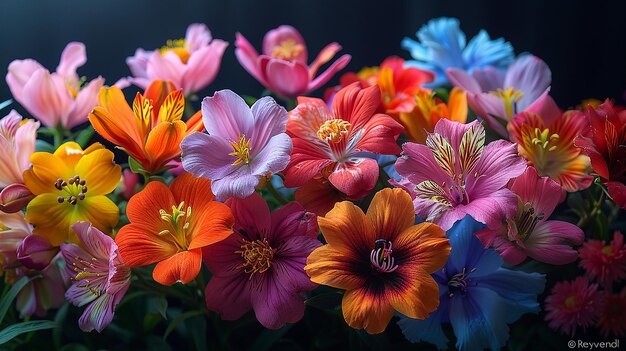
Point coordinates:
[[583, 42]]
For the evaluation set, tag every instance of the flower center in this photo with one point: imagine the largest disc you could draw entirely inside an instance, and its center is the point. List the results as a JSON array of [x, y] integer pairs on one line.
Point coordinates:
[[257, 256], [241, 150], [333, 131], [287, 50], [177, 224], [605, 250], [459, 282], [176, 46], [75, 188], [84, 269], [510, 97], [381, 258], [524, 223], [544, 141], [570, 301], [426, 104]]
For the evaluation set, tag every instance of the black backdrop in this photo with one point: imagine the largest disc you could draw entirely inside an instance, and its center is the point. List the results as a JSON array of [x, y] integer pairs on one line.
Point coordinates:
[[583, 42]]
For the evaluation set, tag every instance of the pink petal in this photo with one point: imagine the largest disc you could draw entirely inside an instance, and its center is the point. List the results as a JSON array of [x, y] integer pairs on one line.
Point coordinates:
[[324, 56], [41, 98], [489, 78], [491, 109], [463, 80], [355, 176], [380, 135], [530, 75], [275, 37], [74, 55], [226, 114], [207, 156], [551, 242], [270, 119], [325, 76], [203, 66], [489, 210], [248, 58], [288, 79], [98, 315], [138, 64], [36, 252], [417, 164], [273, 304], [498, 164], [86, 100], [545, 107], [542, 193], [304, 165], [229, 296], [197, 36], [290, 260], [166, 67], [95, 242], [14, 197], [617, 191], [19, 72], [292, 220], [25, 139], [252, 215]]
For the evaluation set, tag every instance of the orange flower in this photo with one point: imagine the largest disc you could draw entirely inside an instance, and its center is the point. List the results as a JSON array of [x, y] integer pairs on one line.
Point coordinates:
[[429, 110], [171, 226], [381, 258], [152, 130]]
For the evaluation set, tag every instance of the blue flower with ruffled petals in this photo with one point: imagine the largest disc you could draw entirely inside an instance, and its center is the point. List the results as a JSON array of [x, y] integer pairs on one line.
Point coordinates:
[[477, 296], [442, 45]]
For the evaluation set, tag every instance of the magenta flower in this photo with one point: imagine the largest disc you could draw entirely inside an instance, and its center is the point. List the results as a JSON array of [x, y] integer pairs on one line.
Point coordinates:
[[497, 97], [243, 144], [455, 174], [527, 231], [572, 305], [36, 252], [190, 64], [99, 276], [282, 66], [17, 143], [604, 261], [261, 265], [58, 98]]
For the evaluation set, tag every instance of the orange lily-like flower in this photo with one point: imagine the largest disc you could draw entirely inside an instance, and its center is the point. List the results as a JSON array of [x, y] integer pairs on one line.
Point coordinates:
[[152, 130], [171, 225], [381, 258], [429, 110], [70, 186], [547, 142]]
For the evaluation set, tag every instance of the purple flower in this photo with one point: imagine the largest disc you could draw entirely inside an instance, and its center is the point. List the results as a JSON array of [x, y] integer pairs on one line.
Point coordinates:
[[242, 145], [99, 276], [261, 265], [497, 97], [455, 174]]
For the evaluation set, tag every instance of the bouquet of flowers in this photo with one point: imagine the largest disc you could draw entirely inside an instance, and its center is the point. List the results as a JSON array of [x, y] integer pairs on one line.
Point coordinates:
[[446, 198]]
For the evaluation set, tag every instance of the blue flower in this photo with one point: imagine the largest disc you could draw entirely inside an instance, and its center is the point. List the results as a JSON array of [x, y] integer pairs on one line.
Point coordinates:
[[477, 296], [442, 45]]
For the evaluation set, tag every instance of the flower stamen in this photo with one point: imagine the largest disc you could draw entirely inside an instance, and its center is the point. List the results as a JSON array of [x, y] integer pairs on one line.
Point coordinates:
[[241, 150], [287, 50], [257, 256], [510, 97], [334, 130], [380, 256]]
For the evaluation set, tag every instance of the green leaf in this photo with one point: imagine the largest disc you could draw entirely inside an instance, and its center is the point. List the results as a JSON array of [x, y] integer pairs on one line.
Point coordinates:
[[43, 146], [83, 137], [135, 166], [160, 303], [178, 320], [10, 296], [197, 327], [59, 319], [20, 328], [268, 338], [325, 301], [250, 100], [5, 103]]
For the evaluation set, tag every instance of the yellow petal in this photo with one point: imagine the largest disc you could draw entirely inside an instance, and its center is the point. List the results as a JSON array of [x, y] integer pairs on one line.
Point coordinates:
[[457, 105], [391, 212], [47, 168], [99, 171], [50, 218], [100, 211]]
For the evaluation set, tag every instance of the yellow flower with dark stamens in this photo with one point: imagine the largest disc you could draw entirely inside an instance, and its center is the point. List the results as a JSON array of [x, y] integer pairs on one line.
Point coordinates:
[[70, 186]]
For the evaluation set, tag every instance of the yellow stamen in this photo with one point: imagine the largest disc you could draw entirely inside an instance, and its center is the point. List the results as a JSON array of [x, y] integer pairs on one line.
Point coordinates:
[[178, 47], [333, 130], [241, 150], [509, 96], [177, 224], [607, 250], [287, 50], [257, 256], [570, 301]]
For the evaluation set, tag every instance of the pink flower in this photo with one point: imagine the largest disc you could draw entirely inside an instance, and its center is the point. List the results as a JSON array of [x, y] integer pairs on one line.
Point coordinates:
[[612, 319], [17, 143], [36, 252], [572, 305], [99, 276], [606, 262], [261, 265], [57, 98], [455, 174], [282, 66], [527, 231], [330, 144], [497, 97], [14, 197], [190, 64], [13, 229], [128, 185]]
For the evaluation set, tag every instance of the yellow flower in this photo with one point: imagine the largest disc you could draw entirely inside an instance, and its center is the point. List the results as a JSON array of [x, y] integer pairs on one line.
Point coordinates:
[[70, 186]]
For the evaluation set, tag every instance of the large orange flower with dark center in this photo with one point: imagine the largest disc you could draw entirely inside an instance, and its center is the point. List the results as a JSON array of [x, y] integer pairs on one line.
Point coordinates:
[[381, 258]]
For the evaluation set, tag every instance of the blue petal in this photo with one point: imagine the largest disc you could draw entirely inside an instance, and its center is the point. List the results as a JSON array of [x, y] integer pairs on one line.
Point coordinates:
[[478, 320], [464, 248], [429, 329]]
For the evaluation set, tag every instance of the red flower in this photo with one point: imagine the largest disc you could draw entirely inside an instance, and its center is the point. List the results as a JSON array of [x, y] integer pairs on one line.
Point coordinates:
[[612, 319], [604, 144], [571, 305], [604, 261]]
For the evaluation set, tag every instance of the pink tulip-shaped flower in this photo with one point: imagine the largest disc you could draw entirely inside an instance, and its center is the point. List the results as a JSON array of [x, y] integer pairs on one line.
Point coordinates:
[[261, 265], [456, 174], [99, 276], [58, 98], [527, 231], [190, 64], [17, 143], [282, 66]]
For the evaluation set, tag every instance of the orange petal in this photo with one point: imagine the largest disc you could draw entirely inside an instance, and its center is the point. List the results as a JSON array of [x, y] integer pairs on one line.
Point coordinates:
[[182, 267], [417, 297], [195, 124], [157, 91], [346, 228], [173, 107], [196, 192], [424, 245], [143, 208], [140, 246], [142, 109], [457, 105], [391, 211], [70, 153], [366, 309], [415, 125], [215, 224], [118, 131], [334, 268], [163, 143], [99, 171]]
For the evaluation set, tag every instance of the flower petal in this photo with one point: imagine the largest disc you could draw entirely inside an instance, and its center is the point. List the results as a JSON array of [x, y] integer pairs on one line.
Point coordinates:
[[228, 296], [365, 309], [335, 268], [74, 55], [226, 114], [391, 212], [182, 267], [99, 171]]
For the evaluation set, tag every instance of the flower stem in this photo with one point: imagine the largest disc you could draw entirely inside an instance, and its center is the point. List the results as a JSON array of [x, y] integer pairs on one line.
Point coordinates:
[[275, 193], [57, 133]]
